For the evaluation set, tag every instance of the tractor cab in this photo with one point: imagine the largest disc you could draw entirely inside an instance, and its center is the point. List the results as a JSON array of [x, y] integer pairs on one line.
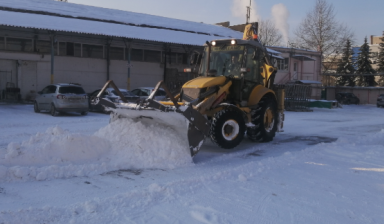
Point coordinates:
[[241, 61], [235, 59]]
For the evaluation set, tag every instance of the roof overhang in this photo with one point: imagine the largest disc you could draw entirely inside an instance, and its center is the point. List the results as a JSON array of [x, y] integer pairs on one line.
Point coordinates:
[[303, 58], [277, 56], [54, 23]]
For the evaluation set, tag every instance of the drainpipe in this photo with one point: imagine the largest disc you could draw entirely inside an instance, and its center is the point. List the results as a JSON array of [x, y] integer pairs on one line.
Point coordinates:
[[302, 64], [127, 43], [129, 68], [108, 45], [165, 61], [53, 37]]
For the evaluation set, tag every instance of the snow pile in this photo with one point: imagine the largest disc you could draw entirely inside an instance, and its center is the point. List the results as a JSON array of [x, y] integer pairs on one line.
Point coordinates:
[[125, 144]]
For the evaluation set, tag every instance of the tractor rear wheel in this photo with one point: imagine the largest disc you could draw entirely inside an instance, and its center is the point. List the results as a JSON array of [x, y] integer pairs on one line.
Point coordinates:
[[227, 128], [264, 117]]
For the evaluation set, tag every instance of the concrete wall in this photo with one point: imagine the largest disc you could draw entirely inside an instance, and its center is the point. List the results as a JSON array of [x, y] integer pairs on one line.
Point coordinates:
[[366, 95], [32, 72]]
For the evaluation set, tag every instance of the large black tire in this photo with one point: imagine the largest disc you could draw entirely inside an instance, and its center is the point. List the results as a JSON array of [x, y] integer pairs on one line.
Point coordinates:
[[36, 107], [53, 110], [265, 119], [227, 128], [84, 113]]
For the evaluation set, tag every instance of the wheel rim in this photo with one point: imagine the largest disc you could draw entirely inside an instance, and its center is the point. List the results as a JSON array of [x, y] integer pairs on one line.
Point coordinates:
[[269, 120], [230, 130]]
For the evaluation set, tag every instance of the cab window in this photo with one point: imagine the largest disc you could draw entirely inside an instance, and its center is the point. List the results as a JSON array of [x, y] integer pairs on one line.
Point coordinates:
[[253, 64]]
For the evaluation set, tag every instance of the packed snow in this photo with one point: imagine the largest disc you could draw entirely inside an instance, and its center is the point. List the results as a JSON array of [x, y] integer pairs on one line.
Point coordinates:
[[326, 167], [57, 153]]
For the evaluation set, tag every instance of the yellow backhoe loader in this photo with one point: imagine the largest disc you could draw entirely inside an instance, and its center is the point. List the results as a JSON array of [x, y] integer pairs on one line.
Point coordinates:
[[233, 96]]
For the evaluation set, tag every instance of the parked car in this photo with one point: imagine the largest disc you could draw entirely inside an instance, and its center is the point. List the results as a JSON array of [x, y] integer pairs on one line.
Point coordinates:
[[347, 98], [144, 92], [62, 97], [380, 100], [111, 95]]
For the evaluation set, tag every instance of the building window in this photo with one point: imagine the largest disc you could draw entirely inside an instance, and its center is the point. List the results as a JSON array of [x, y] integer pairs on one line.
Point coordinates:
[[136, 55], [76, 49], [152, 56], [116, 53], [282, 64], [18, 44], [92, 51], [184, 59], [43, 46], [2, 43], [63, 49], [69, 49], [171, 58], [179, 58]]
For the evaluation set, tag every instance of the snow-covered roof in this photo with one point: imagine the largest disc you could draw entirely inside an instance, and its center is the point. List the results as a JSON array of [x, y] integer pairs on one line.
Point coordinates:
[[69, 17], [303, 58], [273, 51]]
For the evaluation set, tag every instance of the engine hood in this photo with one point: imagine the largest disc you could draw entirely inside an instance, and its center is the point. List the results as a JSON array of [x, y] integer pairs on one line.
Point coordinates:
[[203, 82]]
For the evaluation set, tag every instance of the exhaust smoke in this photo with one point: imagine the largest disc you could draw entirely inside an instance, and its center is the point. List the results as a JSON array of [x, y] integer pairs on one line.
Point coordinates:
[[280, 16]]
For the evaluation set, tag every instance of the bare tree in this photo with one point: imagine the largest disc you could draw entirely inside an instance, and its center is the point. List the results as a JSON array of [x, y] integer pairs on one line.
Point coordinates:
[[320, 31], [268, 33]]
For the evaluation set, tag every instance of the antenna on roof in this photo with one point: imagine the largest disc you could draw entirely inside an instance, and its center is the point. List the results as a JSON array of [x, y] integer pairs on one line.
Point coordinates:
[[248, 16]]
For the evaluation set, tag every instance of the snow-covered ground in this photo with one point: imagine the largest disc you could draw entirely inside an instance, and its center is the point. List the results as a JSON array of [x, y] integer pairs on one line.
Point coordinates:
[[327, 167]]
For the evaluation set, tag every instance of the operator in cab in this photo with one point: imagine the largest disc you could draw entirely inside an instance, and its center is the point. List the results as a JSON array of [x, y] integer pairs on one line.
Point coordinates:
[[234, 65]]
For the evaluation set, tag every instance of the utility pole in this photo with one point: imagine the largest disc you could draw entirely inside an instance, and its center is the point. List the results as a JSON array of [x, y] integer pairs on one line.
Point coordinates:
[[248, 16]]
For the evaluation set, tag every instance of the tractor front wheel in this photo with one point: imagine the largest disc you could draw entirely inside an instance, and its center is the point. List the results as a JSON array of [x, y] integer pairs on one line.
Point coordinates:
[[227, 128]]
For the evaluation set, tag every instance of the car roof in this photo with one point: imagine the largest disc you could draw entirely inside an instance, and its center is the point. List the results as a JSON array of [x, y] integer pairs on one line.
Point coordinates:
[[68, 84], [124, 90], [148, 88]]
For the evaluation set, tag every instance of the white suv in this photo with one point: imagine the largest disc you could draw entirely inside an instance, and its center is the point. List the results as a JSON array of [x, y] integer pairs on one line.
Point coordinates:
[[62, 97]]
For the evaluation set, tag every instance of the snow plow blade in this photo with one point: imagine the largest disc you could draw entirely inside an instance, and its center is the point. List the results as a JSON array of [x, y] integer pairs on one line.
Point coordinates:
[[184, 120]]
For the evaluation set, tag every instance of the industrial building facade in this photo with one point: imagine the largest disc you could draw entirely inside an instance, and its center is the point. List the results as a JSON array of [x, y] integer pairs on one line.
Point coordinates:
[[91, 60], [43, 42]]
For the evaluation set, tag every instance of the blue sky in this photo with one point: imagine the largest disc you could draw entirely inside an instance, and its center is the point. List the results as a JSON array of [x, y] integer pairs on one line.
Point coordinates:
[[365, 18]]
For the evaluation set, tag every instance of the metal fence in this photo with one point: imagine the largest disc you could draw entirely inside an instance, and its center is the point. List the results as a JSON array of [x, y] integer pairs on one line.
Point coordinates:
[[297, 97]]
